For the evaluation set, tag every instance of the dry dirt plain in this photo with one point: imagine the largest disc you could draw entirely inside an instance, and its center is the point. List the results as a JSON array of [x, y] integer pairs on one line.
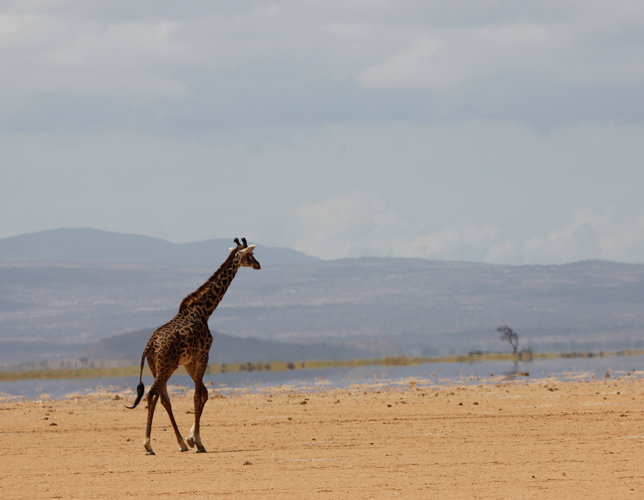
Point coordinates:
[[506, 440]]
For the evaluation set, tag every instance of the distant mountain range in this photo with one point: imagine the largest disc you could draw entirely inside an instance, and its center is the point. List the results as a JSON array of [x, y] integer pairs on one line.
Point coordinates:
[[93, 245], [51, 307]]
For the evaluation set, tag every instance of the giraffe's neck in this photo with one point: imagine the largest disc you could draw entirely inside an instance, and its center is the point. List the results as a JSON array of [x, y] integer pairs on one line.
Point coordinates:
[[207, 297]]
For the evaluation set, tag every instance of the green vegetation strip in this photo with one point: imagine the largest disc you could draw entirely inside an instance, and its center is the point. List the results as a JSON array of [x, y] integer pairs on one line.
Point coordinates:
[[133, 371]]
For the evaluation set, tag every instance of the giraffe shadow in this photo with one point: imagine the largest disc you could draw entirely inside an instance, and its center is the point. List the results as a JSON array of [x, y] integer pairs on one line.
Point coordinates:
[[234, 451]]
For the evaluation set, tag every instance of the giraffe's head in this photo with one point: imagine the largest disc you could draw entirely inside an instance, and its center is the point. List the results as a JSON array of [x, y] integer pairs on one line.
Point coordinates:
[[247, 258], [245, 252]]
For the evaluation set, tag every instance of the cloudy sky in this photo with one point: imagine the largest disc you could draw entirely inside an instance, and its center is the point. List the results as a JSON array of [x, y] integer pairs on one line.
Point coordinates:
[[499, 131]]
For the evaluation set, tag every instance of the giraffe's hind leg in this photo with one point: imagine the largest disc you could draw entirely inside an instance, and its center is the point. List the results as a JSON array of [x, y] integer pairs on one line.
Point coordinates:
[[153, 397], [165, 401], [196, 371], [160, 390]]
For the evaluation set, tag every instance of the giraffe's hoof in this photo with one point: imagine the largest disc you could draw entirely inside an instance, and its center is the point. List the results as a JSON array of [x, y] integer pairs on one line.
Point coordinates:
[[185, 449], [150, 453], [202, 450], [191, 442]]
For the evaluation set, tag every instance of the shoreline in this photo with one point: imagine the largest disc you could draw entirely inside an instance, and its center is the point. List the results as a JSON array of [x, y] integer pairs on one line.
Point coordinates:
[[277, 366]]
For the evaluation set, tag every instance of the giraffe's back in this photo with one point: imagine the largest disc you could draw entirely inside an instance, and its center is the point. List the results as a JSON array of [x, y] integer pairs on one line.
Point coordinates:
[[182, 340]]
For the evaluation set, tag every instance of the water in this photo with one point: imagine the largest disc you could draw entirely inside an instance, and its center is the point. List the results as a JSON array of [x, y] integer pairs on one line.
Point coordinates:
[[424, 374]]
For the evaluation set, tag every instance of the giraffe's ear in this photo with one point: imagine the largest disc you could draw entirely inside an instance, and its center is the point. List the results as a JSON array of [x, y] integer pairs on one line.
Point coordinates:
[[249, 249], [231, 249]]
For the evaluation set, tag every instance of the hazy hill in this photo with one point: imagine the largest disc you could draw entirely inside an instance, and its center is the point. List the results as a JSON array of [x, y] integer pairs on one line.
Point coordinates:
[[425, 307], [93, 245], [229, 349]]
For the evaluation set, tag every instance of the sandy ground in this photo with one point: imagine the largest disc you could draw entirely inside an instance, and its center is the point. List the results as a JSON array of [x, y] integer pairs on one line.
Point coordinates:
[[509, 440]]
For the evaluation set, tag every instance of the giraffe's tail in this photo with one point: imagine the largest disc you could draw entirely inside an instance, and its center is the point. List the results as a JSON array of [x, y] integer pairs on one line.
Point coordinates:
[[140, 389]]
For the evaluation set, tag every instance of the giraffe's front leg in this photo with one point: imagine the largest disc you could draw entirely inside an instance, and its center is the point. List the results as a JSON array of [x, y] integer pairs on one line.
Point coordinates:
[[196, 372], [195, 439], [201, 396]]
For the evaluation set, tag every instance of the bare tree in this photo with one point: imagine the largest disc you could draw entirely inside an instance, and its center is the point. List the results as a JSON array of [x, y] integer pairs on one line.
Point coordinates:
[[509, 335]]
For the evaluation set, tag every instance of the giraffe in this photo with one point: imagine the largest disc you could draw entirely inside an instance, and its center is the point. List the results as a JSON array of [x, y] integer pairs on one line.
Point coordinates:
[[186, 340]]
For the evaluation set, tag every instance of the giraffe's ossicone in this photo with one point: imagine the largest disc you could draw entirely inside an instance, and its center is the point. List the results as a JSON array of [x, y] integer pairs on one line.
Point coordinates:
[[185, 341]]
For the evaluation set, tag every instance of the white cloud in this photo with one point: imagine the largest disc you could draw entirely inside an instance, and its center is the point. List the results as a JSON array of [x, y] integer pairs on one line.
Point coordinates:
[[47, 52], [591, 235], [592, 43], [465, 117], [502, 253], [445, 57], [218, 53], [453, 243], [344, 226], [360, 224]]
